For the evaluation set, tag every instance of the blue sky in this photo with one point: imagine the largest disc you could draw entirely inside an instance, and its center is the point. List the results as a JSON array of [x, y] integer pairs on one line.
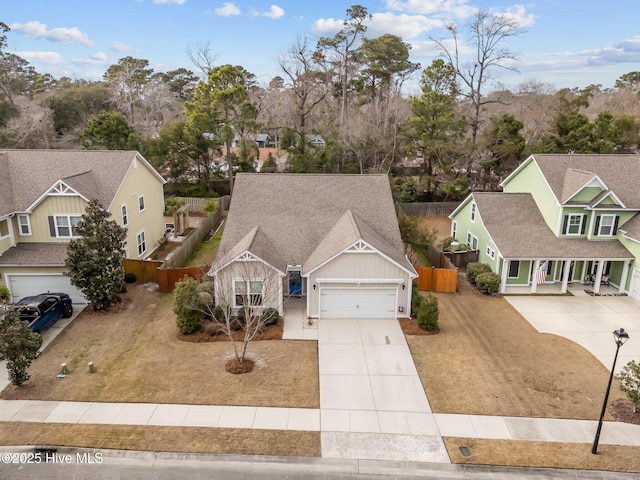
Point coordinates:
[[568, 43]]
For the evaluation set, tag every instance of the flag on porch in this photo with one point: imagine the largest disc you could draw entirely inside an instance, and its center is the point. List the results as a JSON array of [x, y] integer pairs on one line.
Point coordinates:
[[541, 273]]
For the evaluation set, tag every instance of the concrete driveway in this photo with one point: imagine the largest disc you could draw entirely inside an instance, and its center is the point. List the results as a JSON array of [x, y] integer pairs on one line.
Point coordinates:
[[372, 403], [586, 320]]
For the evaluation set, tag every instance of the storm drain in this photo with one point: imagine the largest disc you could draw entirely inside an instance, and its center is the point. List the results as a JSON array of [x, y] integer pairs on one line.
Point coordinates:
[[465, 451]]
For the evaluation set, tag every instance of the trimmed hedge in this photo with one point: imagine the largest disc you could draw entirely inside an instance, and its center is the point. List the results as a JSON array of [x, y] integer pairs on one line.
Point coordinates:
[[428, 313], [270, 317], [416, 300], [474, 269], [488, 283]]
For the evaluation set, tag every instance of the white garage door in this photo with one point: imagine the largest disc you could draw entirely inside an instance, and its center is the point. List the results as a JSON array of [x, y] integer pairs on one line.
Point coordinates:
[[26, 285], [357, 303]]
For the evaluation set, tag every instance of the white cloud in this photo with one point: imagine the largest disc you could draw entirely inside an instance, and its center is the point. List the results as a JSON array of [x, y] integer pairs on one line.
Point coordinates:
[[227, 9], [274, 12], [96, 59], [519, 14], [404, 26], [120, 47], [176, 2], [455, 8], [65, 35], [50, 58]]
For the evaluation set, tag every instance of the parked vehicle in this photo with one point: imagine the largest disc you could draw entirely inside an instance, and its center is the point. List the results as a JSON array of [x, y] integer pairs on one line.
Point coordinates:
[[42, 311]]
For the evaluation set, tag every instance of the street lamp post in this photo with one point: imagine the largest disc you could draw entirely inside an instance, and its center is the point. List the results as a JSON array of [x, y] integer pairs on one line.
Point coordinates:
[[620, 337]]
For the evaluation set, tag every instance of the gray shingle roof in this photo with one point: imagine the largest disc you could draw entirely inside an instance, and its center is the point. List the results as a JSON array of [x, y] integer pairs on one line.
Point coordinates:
[[257, 243], [621, 173], [27, 174], [34, 254], [519, 231], [297, 211]]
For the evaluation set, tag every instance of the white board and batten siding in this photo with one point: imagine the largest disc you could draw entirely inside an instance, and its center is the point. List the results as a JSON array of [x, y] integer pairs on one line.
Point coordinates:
[[358, 285]]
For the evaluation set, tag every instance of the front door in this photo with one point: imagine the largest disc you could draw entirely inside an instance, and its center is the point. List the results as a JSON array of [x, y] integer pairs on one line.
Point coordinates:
[[295, 283]]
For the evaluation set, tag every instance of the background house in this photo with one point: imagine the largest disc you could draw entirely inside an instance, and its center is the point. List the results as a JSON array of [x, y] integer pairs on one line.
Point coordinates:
[[333, 239], [560, 219], [43, 194]]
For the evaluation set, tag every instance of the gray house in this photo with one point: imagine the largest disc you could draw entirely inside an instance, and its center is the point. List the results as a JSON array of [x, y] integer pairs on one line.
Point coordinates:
[[333, 239]]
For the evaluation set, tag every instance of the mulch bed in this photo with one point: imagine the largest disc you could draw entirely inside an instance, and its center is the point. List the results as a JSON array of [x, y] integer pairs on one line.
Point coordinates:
[[273, 332], [622, 411], [410, 327]]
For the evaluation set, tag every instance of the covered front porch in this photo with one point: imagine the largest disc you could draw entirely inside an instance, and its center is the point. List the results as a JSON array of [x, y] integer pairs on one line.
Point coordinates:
[[560, 275], [575, 289]]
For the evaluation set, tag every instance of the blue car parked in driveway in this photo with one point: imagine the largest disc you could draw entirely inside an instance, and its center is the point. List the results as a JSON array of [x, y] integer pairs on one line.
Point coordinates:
[[42, 311]]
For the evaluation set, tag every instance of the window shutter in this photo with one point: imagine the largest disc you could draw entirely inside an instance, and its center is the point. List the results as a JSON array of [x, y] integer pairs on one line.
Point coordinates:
[[595, 230], [615, 225], [564, 224], [52, 226], [583, 227]]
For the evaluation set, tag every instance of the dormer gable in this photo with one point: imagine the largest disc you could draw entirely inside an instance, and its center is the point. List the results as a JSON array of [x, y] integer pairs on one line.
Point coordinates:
[[58, 189], [581, 187]]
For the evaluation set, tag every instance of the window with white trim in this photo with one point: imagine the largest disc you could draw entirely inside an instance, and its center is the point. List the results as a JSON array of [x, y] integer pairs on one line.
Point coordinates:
[[24, 224], [454, 228], [473, 211], [66, 225], [142, 243], [606, 225], [574, 226], [247, 292], [125, 216], [472, 241], [491, 253], [514, 269], [141, 203]]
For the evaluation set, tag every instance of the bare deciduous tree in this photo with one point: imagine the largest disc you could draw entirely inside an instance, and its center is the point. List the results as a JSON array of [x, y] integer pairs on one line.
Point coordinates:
[[247, 295], [202, 57], [487, 33]]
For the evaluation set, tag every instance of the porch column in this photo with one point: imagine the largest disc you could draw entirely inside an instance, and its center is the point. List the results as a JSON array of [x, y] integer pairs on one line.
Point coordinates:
[[598, 279], [504, 273], [623, 278], [534, 280], [565, 276]]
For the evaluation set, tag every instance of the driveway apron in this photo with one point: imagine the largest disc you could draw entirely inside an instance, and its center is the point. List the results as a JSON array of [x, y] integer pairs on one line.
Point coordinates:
[[372, 403]]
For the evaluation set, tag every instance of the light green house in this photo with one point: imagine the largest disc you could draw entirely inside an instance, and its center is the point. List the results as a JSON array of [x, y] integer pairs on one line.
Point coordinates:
[[43, 194], [560, 219]]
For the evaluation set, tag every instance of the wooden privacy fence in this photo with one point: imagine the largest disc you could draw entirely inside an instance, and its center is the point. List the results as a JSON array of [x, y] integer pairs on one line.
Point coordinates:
[[181, 255], [444, 280], [144, 270], [168, 277], [195, 204]]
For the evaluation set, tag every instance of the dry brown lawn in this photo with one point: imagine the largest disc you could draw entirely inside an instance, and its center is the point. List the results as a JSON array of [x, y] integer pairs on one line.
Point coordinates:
[[139, 358], [488, 360], [613, 458], [442, 225], [163, 439]]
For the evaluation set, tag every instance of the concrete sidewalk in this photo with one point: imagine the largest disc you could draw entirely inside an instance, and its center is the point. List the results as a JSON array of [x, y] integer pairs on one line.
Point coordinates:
[[303, 419]]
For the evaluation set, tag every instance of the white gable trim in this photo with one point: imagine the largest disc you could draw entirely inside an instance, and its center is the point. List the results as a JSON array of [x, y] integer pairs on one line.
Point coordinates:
[[362, 247], [615, 198], [58, 189], [245, 256], [596, 181], [517, 170]]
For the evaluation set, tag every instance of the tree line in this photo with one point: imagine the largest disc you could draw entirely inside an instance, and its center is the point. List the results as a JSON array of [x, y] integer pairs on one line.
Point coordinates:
[[460, 130]]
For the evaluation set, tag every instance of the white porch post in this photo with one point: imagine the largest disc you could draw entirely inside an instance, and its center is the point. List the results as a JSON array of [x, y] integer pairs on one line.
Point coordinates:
[[598, 279], [623, 278], [534, 280], [565, 276], [504, 273]]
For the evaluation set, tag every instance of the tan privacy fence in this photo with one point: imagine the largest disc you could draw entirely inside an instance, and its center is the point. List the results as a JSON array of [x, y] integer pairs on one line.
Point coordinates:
[[430, 279]]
